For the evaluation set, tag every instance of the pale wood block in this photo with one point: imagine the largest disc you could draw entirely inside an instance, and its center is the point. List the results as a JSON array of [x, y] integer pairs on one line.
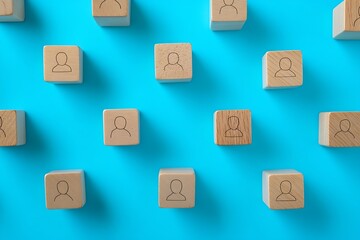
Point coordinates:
[[12, 11], [112, 12], [65, 189], [339, 129], [232, 127], [173, 62], [12, 128], [282, 69], [63, 64], [121, 127], [177, 188], [227, 14], [346, 20], [283, 189]]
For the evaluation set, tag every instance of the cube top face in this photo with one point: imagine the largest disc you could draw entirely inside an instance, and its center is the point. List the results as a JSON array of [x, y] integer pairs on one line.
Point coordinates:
[[177, 188], [121, 127], [63, 64], [232, 127], [173, 62], [65, 189], [282, 69], [110, 8], [352, 15], [8, 129], [283, 189], [6, 7], [228, 10]]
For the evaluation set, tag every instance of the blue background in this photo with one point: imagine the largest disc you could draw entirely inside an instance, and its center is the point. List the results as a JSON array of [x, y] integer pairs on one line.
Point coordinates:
[[64, 123]]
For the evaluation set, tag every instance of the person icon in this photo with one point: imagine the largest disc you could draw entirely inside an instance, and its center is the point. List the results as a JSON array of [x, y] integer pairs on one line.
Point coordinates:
[[173, 62], [285, 188], [233, 131], [63, 189], [228, 4], [61, 63], [2, 131], [111, 4], [345, 126], [357, 21], [285, 65], [2, 8], [120, 126], [176, 188]]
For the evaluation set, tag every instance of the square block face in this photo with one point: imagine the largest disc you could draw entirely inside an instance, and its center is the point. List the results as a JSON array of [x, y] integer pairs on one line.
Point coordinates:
[[173, 62], [283, 189], [62, 64], [228, 10], [282, 69], [232, 127], [12, 128], [12, 11], [110, 8], [6, 7], [352, 15], [121, 127], [339, 129], [65, 189], [177, 188]]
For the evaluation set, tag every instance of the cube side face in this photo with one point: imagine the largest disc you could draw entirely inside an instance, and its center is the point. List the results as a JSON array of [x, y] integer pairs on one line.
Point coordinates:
[[63, 64], [344, 129], [324, 129], [8, 128], [232, 127], [121, 127], [339, 20], [176, 188], [352, 15], [173, 62]]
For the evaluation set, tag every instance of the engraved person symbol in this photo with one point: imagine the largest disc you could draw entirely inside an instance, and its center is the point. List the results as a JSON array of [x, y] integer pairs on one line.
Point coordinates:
[[285, 188], [176, 188], [285, 65], [61, 63], [2, 8], [233, 131], [357, 21], [110, 4], [120, 126], [63, 189], [2, 132], [173, 62], [229, 4], [345, 126]]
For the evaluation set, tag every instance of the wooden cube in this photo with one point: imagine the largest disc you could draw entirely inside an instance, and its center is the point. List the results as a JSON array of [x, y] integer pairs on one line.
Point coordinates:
[[177, 188], [282, 69], [227, 14], [346, 20], [121, 127], [283, 189], [65, 189], [111, 12], [12, 128], [232, 127], [339, 129], [12, 11], [173, 62], [63, 64]]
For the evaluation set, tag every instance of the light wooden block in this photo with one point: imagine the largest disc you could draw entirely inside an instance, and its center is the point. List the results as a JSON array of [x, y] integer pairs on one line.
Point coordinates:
[[121, 127], [12, 128], [12, 11], [227, 14], [112, 12], [339, 129], [63, 64], [177, 188], [232, 127], [65, 189], [282, 69], [173, 62], [346, 20], [283, 189]]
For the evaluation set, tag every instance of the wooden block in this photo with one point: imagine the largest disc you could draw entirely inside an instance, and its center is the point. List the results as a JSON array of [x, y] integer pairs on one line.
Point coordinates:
[[232, 127], [121, 127], [12, 11], [227, 14], [63, 64], [177, 188], [339, 129], [112, 12], [283, 189], [12, 128], [282, 69], [173, 62], [346, 20], [65, 189]]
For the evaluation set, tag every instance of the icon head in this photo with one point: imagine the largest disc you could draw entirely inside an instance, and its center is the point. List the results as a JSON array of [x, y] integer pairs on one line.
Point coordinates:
[[120, 122], [285, 64], [285, 187], [62, 187], [1, 122], [345, 125], [359, 11], [176, 186], [173, 58], [233, 122], [229, 2], [61, 58]]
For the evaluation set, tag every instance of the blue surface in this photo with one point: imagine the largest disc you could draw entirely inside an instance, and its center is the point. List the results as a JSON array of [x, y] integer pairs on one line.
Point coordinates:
[[64, 123]]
